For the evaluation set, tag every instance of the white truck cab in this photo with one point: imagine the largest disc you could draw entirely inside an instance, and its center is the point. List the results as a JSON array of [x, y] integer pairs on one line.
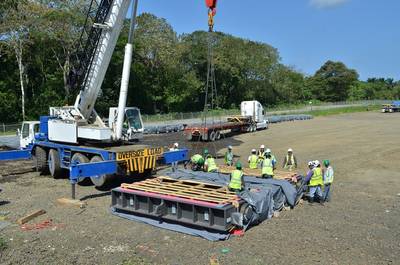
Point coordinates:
[[132, 128], [27, 133], [255, 110]]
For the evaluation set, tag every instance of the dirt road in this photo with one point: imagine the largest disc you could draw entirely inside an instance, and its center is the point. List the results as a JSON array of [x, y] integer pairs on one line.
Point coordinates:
[[360, 226]]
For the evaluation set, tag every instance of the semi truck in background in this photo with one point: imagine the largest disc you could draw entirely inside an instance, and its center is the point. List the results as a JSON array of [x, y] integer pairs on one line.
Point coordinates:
[[252, 118], [393, 107]]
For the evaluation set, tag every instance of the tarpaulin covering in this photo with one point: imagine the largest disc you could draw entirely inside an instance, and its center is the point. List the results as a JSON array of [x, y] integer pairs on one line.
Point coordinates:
[[262, 196]]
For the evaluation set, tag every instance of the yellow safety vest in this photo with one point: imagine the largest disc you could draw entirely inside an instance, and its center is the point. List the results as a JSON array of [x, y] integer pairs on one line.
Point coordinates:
[[289, 159], [316, 179], [267, 167], [236, 180], [211, 165], [253, 162]]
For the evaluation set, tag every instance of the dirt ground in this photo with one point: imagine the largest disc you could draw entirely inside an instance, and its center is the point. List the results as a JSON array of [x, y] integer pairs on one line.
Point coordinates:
[[361, 225]]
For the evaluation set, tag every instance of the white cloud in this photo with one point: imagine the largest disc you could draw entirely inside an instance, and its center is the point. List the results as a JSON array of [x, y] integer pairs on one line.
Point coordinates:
[[327, 3]]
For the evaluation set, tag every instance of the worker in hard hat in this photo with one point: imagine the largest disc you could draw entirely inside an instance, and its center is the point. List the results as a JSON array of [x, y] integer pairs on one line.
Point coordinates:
[[197, 162], [261, 152], [328, 180], [315, 181], [253, 159], [209, 164], [174, 147], [267, 166], [290, 161], [269, 153], [229, 156], [236, 181]]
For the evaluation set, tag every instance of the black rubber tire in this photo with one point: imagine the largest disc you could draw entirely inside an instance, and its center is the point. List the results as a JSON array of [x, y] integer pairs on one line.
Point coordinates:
[[102, 181], [41, 160], [212, 136], [218, 135], [54, 164], [80, 159]]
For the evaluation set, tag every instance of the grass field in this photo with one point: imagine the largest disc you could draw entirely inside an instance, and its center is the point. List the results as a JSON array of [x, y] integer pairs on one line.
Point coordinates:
[[343, 110]]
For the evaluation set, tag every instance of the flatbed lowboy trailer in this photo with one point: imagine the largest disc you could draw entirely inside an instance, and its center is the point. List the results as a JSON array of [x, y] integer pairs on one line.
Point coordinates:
[[214, 130]]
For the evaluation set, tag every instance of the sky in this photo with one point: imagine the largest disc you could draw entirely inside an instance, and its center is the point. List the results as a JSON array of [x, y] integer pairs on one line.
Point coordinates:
[[363, 34]]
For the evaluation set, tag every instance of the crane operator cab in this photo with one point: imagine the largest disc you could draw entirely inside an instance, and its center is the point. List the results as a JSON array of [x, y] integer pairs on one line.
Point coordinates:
[[132, 129]]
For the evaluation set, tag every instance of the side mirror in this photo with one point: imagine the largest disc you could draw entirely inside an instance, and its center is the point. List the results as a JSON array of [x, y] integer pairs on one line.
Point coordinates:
[[18, 132]]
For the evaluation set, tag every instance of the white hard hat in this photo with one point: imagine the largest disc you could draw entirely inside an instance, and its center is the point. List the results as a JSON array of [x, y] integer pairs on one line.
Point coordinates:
[[310, 163], [316, 163], [253, 150], [268, 151], [290, 150], [229, 146], [176, 144], [262, 146]]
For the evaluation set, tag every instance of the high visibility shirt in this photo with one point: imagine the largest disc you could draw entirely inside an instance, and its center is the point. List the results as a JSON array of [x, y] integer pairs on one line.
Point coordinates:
[[316, 178], [328, 175], [289, 160], [273, 160], [229, 158], [253, 161], [236, 179], [267, 167], [211, 165], [197, 159]]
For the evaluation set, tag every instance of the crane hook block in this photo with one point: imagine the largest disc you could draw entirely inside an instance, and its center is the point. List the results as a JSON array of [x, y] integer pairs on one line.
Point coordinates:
[[212, 4]]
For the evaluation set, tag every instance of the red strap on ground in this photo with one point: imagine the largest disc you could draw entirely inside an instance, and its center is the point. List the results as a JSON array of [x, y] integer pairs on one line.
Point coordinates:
[[237, 232], [45, 224]]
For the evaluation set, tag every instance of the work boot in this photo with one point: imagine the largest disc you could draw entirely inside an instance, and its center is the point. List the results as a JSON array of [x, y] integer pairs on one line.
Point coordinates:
[[310, 201]]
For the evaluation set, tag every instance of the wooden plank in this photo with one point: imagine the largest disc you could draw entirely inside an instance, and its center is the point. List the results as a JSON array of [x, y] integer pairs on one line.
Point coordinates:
[[190, 181], [219, 191], [30, 216], [180, 193], [71, 202], [183, 195], [191, 189]]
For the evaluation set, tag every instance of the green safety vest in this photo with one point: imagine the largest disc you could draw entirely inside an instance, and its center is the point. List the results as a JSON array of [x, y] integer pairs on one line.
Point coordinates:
[[267, 167], [197, 159], [211, 164], [236, 180], [289, 160], [228, 158], [253, 162], [316, 179]]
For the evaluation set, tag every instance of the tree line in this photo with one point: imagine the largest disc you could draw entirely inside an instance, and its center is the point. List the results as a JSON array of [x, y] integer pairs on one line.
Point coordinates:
[[37, 39]]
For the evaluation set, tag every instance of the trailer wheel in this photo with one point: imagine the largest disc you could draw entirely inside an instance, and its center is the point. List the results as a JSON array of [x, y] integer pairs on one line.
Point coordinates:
[[212, 136], [41, 160], [54, 164], [100, 181], [218, 135], [79, 158]]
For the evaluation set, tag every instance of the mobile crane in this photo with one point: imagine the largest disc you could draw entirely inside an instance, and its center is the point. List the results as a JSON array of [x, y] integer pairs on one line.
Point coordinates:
[[76, 135]]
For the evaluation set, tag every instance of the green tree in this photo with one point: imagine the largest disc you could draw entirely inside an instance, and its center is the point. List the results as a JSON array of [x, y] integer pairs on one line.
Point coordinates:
[[333, 81]]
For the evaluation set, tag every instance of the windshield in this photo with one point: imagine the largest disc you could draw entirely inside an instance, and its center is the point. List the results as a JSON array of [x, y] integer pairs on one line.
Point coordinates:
[[134, 120], [25, 130]]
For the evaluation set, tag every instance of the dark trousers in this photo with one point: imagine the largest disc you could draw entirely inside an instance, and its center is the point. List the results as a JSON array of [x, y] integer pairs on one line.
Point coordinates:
[[327, 192], [235, 190], [265, 176]]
